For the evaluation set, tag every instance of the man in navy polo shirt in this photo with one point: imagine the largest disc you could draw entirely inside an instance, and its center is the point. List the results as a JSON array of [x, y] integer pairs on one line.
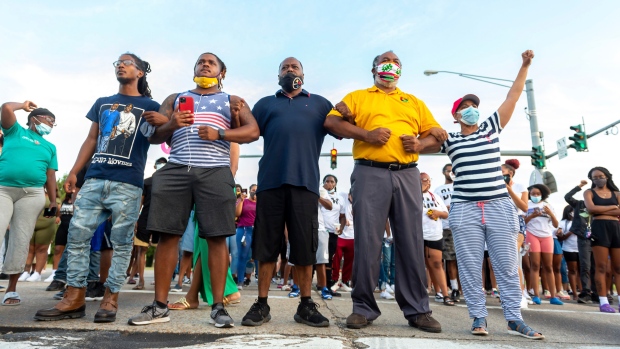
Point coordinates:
[[291, 124]]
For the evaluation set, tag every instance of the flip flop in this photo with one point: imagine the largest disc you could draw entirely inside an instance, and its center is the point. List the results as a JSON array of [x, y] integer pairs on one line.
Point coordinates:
[[11, 295], [131, 281], [138, 287], [184, 305], [228, 302]]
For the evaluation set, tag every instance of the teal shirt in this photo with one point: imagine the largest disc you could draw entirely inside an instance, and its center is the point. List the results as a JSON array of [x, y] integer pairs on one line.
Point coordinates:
[[25, 158]]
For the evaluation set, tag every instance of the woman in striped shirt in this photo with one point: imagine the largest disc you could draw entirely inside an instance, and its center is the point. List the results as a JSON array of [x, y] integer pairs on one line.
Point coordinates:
[[482, 210]]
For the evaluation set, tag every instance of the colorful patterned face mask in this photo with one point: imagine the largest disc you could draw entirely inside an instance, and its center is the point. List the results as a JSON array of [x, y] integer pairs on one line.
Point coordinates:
[[388, 72]]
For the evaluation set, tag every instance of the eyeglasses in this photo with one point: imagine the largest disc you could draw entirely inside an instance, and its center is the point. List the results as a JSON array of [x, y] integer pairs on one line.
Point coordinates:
[[426, 179], [124, 62], [599, 177], [49, 119]]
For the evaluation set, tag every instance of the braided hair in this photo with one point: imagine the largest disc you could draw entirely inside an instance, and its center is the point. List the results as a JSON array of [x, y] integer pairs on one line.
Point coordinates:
[[145, 67]]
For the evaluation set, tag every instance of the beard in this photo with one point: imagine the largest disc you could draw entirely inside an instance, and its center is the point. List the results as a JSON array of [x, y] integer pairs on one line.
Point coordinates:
[[123, 81], [385, 84]]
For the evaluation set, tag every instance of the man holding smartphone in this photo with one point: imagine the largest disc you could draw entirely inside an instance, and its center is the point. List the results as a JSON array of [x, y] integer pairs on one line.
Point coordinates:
[[291, 123], [198, 174], [113, 188]]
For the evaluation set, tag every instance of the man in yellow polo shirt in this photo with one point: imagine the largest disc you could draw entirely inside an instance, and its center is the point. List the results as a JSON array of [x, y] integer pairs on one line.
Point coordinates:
[[390, 128]]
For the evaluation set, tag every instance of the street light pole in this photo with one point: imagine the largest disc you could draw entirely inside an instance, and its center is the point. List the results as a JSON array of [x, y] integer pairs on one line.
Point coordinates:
[[531, 111]]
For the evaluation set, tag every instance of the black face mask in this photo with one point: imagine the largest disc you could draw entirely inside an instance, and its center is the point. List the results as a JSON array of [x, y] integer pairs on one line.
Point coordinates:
[[290, 82]]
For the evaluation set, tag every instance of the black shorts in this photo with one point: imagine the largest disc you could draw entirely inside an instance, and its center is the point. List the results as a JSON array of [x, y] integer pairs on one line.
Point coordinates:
[[61, 234], [295, 207], [571, 256], [434, 245], [176, 190], [146, 235], [605, 233], [486, 254], [106, 243]]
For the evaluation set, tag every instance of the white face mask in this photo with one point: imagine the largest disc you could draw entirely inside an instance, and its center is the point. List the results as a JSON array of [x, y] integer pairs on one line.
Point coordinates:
[[159, 165]]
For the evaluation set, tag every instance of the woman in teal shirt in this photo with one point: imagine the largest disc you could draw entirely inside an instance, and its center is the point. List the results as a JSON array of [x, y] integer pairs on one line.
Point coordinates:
[[27, 163]]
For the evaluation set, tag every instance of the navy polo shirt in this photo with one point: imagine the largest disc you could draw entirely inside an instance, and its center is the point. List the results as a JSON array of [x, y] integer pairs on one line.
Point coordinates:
[[293, 134]]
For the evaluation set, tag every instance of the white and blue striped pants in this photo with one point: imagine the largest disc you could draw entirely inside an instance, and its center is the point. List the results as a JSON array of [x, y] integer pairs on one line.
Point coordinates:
[[494, 222]]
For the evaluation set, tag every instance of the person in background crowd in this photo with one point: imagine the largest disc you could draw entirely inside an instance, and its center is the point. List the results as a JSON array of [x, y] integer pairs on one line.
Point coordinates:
[[602, 200], [558, 257], [60, 241], [246, 214], [518, 194], [291, 124], [449, 254], [28, 163], [434, 210], [198, 175], [42, 237], [186, 252], [481, 210], [345, 249], [143, 237], [387, 273], [580, 226], [569, 248], [390, 128], [322, 251], [331, 219], [120, 179], [541, 223]]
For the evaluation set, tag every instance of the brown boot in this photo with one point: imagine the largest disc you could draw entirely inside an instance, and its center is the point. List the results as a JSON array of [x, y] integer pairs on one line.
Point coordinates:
[[357, 321], [72, 306], [108, 308], [425, 322]]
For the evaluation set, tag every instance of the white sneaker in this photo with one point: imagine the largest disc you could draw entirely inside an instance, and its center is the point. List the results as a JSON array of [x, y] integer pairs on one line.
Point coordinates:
[[336, 286], [389, 288], [51, 277], [377, 290], [345, 287], [526, 295], [386, 295], [24, 276], [35, 277], [524, 303]]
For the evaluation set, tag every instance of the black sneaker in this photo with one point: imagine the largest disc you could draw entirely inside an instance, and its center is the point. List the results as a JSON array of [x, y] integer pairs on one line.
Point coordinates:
[[247, 282], [585, 299], [455, 295], [149, 315], [4, 276], [56, 286], [220, 318], [334, 293], [308, 313], [257, 315], [95, 292]]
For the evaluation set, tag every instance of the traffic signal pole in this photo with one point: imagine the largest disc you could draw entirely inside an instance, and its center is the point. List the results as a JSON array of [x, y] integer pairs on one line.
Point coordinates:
[[531, 111]]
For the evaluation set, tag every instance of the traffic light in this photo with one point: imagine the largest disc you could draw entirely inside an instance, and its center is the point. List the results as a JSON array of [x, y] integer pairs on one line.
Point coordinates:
[[334, 154], [538, 157], [580, 141]]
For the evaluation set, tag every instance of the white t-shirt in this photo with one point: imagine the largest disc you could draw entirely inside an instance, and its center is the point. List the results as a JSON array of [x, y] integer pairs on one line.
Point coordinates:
[[570, 244], [431, 228], [541, 226], [331, 217], [348, 231], [519, 188], [445, 193]]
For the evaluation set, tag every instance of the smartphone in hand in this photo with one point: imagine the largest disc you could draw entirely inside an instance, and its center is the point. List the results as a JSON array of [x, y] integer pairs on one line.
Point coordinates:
[[186, 103], [49, 212]]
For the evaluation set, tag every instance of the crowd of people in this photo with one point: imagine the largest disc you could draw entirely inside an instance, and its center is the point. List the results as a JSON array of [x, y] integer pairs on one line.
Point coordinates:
[[479, 231]]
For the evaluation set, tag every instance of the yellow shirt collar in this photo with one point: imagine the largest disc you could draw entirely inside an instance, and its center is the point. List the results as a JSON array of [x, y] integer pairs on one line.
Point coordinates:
[[374, 88]]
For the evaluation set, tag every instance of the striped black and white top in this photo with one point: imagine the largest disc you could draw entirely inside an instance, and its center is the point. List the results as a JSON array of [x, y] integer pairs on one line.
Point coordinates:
[[187, 148], [476, 163]]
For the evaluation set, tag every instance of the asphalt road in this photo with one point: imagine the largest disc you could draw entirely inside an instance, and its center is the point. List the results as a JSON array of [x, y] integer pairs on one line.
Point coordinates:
[[572, 326]]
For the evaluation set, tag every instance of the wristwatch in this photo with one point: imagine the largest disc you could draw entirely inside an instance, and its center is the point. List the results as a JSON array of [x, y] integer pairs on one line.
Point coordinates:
[[222, 133]]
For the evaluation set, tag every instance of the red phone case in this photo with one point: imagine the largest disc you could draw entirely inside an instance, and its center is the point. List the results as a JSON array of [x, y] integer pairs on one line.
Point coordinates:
[[186, 103]]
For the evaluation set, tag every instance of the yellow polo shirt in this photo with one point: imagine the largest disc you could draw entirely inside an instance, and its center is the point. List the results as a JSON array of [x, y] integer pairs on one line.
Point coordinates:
[[398, 111]]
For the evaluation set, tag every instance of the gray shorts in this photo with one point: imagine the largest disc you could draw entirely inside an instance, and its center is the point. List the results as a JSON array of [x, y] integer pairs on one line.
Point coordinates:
[[322, 252], [187, 241]]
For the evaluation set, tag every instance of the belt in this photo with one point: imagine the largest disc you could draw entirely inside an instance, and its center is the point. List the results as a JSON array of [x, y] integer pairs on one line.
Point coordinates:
[[392, 166]]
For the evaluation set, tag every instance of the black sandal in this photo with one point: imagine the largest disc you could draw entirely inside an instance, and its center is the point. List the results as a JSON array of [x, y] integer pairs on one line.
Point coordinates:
[[448, 301]]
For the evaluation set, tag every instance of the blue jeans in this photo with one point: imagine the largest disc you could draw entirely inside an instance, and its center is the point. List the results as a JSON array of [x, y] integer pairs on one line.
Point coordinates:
[[389, 263], [93, 267], [231, 242], [244, 251], [96, 201]]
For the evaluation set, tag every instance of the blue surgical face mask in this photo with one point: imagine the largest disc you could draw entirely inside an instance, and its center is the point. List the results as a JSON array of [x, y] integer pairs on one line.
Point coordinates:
[[331, 191], [536, 199], [43, 129], [469, 116]]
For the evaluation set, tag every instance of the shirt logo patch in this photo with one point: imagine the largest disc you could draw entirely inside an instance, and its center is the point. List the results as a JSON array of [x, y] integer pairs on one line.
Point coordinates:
[[36, 142], [403, 99]]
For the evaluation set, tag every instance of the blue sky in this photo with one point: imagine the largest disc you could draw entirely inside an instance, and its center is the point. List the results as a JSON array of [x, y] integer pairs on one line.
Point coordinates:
[[59, 55]]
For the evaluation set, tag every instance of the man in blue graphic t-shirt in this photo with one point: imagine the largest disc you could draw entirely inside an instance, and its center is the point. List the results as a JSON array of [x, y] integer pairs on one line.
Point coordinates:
[[113, 188]]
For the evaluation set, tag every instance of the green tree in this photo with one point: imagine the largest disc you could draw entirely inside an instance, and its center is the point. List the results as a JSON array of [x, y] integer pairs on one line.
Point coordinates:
[[60, 183]]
